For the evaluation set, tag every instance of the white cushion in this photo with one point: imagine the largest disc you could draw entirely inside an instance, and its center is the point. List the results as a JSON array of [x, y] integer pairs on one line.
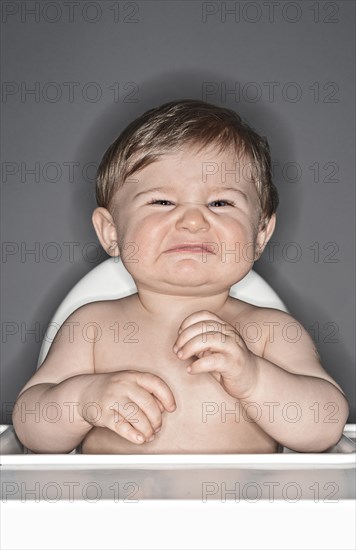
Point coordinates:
[[110, 280]]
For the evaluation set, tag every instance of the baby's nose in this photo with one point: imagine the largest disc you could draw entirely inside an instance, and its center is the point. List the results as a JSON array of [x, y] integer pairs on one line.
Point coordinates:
[[193, 218]]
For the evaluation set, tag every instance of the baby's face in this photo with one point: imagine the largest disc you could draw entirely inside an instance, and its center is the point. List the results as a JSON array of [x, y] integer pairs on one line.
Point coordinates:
[[188, 222]]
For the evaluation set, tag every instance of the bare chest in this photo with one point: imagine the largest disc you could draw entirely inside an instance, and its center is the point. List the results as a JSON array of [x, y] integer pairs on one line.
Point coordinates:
[[206, 420]]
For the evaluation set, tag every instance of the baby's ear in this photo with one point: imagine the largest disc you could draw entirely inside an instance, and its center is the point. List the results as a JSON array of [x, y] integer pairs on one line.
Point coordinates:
[[265, 232], [106, 231]]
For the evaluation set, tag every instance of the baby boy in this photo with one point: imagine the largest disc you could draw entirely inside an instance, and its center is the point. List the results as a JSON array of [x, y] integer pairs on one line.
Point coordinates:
[[186, 200]]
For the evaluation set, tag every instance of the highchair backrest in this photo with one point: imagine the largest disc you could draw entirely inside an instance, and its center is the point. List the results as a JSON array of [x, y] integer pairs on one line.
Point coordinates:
[[110, 280]]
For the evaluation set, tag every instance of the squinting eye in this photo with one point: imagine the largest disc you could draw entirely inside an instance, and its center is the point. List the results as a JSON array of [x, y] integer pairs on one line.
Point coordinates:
[[228, 203], [155, 201]]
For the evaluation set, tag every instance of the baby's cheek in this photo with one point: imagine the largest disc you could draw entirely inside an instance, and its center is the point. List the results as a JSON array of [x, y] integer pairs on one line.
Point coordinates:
[[245, 245]]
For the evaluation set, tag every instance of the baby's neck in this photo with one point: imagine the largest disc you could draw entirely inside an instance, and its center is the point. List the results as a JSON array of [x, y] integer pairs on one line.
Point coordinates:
[[174, 308]]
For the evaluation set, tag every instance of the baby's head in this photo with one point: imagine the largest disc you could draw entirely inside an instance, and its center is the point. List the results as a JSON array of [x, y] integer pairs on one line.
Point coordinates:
[[212, 148], [183, 123]]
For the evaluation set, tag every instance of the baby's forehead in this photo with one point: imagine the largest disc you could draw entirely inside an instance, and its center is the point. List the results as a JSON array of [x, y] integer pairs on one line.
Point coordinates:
[[200, 159], [187, 170], [207, 165]]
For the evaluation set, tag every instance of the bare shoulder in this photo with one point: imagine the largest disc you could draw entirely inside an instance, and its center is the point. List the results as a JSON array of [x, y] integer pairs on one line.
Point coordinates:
[[102, 311], [263, 319], [84, 322], [286, 342], [72, 349], [280, 331]]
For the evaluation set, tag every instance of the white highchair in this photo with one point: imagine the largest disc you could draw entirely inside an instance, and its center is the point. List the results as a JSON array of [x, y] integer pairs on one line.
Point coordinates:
[[312, 506]]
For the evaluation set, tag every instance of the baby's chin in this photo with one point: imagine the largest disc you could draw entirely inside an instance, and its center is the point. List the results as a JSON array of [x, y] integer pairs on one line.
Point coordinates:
[[182, 286], [189, 275]]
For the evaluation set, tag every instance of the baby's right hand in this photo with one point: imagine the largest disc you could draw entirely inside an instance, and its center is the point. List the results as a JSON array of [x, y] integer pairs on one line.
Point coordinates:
[[129, 402]]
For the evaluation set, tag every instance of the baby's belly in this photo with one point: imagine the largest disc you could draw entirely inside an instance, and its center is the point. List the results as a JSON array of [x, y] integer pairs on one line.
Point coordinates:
[[217, 427], [206, 419]]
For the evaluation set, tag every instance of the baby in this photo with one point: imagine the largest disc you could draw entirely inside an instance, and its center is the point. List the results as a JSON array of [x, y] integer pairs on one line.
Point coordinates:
[[186, 201]]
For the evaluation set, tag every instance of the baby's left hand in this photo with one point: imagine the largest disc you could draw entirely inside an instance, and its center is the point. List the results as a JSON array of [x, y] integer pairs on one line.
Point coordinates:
[[221, 351]]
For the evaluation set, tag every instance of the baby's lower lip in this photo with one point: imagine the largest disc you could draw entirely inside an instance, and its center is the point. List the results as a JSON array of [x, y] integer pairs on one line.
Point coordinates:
[[194, 250]]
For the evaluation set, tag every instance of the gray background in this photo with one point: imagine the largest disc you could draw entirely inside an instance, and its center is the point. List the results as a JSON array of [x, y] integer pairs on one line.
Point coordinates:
[[288, 71]]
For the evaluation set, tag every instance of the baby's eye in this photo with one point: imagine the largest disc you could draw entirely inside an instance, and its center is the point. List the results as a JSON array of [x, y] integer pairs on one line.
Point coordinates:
[[225, 203], [160, 201]]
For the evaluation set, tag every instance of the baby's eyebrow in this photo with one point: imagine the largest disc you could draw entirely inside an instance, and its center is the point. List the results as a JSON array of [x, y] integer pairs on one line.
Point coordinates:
[[150, 191], [223, 189]]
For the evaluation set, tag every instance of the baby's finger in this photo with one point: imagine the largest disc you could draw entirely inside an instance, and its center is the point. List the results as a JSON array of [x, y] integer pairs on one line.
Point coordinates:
[[161, 407], [156, 386], [213, 363], [142, 412], [126, 430], [196, 345], [148, 405], [202, 315], [200, 329]]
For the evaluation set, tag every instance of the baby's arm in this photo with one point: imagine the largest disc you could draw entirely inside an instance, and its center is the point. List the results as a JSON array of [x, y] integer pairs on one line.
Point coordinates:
[[52, 412], [58, 427], [285, 391], [302, 406]]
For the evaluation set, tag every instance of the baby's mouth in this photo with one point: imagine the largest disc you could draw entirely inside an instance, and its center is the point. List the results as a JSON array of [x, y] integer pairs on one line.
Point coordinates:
[[192, 248]]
